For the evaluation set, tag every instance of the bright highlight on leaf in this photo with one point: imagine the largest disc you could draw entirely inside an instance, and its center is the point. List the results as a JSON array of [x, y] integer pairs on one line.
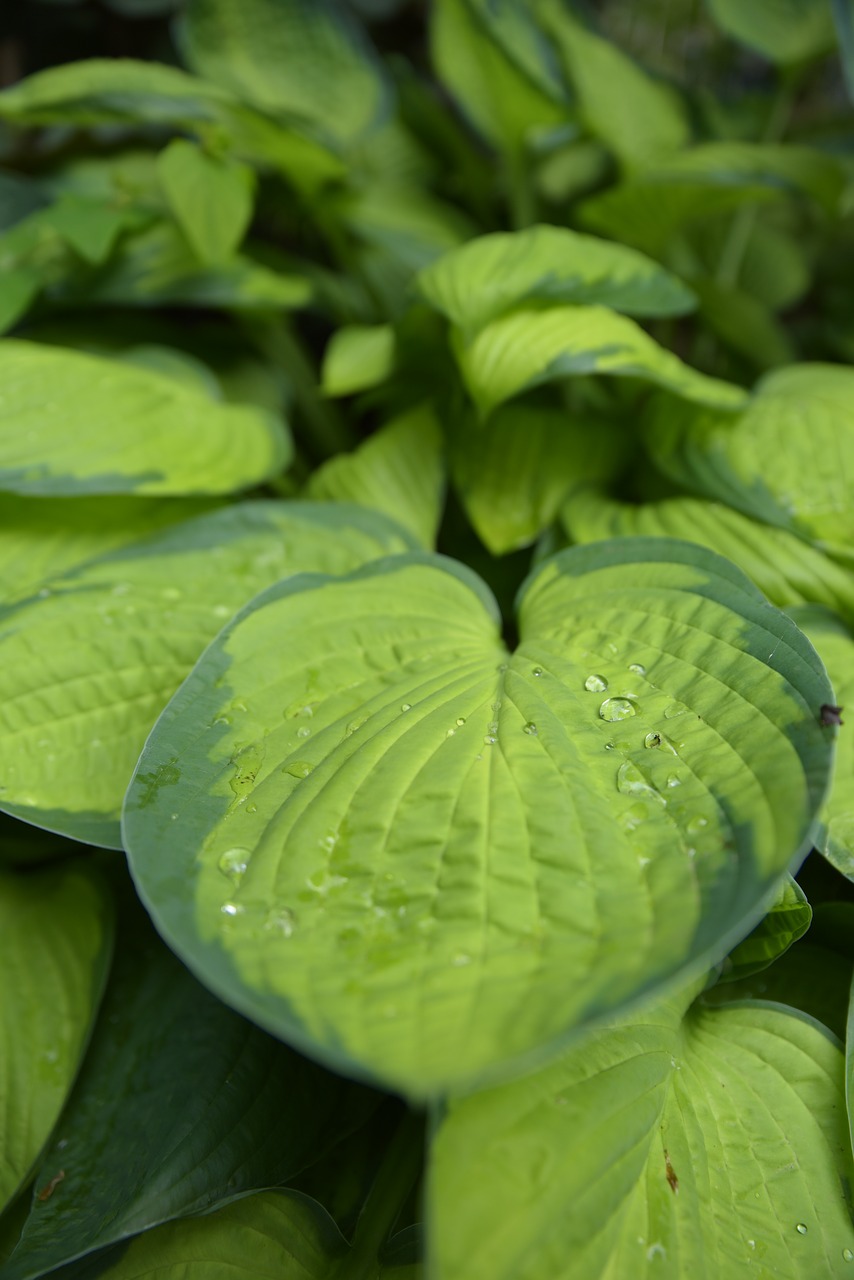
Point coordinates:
[[421, 857]]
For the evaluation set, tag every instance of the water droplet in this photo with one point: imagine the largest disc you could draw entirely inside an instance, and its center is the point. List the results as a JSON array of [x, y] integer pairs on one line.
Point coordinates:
[[751, 1244], [693, 825], [496, 706], [304, 731], [673, 780], [801, 1228], [631, 782], [461, 959], [675, 709], [280, 920], [530, 728], [460, 721], [221, 611], [652, 740], [596, 684], [536, 671], [298, 768], [638, 668], [168, 593], [848, 1255], [63, 1143], [617, 709], [174, 817], [234, 862], [354, 725], [232, 909], [490, 740], [406, 706]]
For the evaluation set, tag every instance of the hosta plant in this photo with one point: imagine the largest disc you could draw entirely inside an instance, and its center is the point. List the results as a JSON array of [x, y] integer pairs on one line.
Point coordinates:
[[426, 628]]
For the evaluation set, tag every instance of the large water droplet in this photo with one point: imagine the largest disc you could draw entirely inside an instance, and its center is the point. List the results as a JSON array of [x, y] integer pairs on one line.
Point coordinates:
[[673, 780], [298, 768], [848, 1255], [530, 728], [631, 782], [617, 709], [406, 706], [652, 740], [460, 721], [637, 668], [596, 684], [536, 671], [234, 862], [801, 1228]]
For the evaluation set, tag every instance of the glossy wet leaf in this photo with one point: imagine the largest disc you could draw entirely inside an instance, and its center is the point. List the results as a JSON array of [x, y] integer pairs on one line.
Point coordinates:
[[786, 569], [73, 424], [711, 1146], [493, 274], [88, 667], [786, 459], [788, 920], [529, 347], [399, 471], [477, 851], [225, 1109], [834, 642], [357, 357], [783, 31], [302, 60], [57, 932], [211, 198]]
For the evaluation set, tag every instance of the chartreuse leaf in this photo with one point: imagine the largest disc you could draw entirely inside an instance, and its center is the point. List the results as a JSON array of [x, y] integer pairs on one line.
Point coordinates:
[[530, 346], [88, 666], [513, 473], [399, 471], [835, 645], [781, 30], [41, 539], [224, 1107], [359, 356], [711, 1145], [786, 569], [786, 459], [788, 920], [210, 197], [471, 851], [72, 424], [638, 118], [57, 931], [493, 274], [91, 227]]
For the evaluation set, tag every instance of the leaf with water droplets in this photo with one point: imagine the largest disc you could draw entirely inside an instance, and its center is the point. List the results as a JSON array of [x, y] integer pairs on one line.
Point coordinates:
[[573, 876], [86, 666], [684, 1146]]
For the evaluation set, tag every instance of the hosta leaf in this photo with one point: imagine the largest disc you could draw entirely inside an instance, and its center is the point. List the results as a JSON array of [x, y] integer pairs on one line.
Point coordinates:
[[57, 930], [781, 30], [91, 227], [710, 1147], [210, 197], [785, 568], [529, 346], [398, 471], [835, 645], [491, 275], [744, 323], [224, 1108], [274, 1235], [42, 538], [301, 59], [786, 459], [87, 667], [788, 920], [358, 356], [72, 424], [470, 852], [513, 474], [637, 117]]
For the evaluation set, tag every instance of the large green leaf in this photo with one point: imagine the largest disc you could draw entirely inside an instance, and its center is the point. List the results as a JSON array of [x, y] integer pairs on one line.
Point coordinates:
[[835, 645], [638, 118], [72, 423], [88, 666], [530, 346], [298, 59], [786, 569], [476, 851], [57, 931], [786, 922], [398, 471], [783, 30], [786, 459], [493, 274], [224, 1109], [713, 1146], [513, 473], [210, 197]]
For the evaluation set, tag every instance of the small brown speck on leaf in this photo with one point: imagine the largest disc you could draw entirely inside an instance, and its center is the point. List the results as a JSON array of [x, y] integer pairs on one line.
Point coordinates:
[[831, 715], [47, 1192], [672, 1180]]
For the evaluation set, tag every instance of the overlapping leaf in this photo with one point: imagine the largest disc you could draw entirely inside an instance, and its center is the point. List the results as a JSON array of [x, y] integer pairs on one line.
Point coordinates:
[[210, 197], [75, 424], [785, 31], [711, 1146], [57, 931], [786, 922], [88, 665], [421, 856]]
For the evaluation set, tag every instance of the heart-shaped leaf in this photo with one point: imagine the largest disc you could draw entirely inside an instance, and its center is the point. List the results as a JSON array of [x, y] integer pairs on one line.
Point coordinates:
[[421, 857], [711, 1146], [90, 661], [57, 931], [108, 427], [210, 197]]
